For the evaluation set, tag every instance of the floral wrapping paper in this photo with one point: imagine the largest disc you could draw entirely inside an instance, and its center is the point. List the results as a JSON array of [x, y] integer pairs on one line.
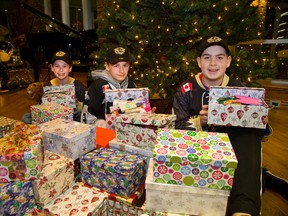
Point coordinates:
[[242, 115], [197, 159], [21, 154], [115, 171], [6, 124], [69, 138], [63, 95], [79, 200], [16, 198], [48, 112], [180, 199], [140, 129], [122, 94], [56, 177]]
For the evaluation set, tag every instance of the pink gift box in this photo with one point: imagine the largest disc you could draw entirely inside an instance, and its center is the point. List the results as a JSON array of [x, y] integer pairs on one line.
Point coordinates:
[[197, 159], [56, 177], [48, 112], [242, 115], [140, 129]]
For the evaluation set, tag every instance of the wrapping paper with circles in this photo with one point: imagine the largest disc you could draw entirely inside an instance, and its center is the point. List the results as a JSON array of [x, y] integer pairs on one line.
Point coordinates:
[[197, 159]]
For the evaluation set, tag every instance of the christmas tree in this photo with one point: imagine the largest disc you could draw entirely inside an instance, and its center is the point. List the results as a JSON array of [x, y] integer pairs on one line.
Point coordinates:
[[163, 37]]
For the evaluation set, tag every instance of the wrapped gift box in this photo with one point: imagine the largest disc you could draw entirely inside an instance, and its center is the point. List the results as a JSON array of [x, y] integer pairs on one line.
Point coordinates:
[[116, 144], [64, 95], [197, 159], [21, 154], [6, 124], [116, 207], [225, 109], [69, 138], [16, 198], [140, 129], [115, 171], [173, 198], [78, 200], [56, 177], [48, 112], [124, 95]]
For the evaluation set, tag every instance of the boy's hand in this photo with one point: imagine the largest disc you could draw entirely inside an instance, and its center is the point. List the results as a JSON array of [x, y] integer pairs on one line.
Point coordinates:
[[204, 115]]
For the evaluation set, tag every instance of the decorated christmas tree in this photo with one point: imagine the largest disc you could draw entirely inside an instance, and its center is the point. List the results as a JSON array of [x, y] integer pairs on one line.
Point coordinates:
[[163, 37]]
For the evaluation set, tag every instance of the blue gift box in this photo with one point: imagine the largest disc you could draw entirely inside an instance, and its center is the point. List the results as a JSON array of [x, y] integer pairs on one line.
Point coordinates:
[[115, 171], [16, 198]]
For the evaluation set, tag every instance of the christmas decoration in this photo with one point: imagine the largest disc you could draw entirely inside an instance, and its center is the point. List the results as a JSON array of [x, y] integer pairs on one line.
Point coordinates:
[[164, 37]]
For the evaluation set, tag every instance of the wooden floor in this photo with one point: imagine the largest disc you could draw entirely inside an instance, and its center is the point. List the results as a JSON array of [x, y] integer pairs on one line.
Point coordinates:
[[275, 151]]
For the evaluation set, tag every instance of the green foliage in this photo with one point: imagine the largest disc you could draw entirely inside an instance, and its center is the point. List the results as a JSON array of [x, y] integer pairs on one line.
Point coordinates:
[[163, 38]]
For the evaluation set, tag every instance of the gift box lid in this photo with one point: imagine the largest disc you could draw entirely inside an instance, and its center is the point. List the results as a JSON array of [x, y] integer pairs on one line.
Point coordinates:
[[115, 161], [52, 108], [117, 144], [67, 129], [125, 94], [152, 119], [195, 148]]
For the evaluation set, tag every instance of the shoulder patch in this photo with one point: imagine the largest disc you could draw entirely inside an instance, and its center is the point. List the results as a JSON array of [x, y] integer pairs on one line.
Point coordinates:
[[105, 87], [186, 87]]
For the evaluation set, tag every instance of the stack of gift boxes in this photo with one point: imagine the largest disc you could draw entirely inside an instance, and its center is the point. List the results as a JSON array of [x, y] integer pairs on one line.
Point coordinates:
[[183, 172], [56, 102]]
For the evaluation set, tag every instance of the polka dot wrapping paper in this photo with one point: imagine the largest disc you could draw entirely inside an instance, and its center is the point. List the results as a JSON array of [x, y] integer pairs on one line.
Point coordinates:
[[197, 159]]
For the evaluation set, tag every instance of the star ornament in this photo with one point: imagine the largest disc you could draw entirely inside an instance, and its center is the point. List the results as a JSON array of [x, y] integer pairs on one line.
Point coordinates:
[[186, 87]]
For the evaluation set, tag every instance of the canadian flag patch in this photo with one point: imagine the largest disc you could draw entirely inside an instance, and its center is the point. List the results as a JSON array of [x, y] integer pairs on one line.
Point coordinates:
[[186, 87], [105, 87]]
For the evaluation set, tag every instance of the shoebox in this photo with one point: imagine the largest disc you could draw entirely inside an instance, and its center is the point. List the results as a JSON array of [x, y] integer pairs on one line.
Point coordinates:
[[116, 144], [56, 177], [6, 124], [21, 153], [16, 198], [64, 95], [116, 207], [140, 129], [114, 171], [134, 198], [237, 106], [124, 98], [181, 199], [43, 113], [79, 200], [69, 138], [195, 159]]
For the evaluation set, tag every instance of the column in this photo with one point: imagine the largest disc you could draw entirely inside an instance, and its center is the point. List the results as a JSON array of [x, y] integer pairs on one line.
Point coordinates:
[[65, 12], [48, 11], [87, 14]]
